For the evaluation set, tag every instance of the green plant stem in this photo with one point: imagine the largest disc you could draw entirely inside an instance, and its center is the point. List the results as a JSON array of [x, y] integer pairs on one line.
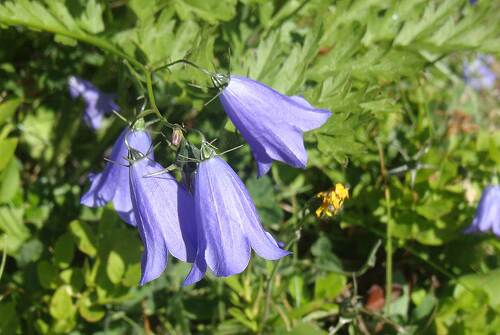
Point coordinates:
[[388, 249], [151, 96], [4, 259]]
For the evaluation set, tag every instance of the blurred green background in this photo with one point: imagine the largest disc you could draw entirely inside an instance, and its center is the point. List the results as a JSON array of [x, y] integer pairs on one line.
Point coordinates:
[[413, 142]]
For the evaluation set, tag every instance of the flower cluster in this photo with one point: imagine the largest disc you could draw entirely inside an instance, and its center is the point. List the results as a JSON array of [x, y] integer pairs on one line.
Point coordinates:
[[213, 222], [332, 200]]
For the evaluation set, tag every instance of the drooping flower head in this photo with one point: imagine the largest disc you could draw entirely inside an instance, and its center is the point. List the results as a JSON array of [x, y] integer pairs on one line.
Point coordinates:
[[478, 74], [97, 103], [488, 212], [112, 184], [228, 226], [272, 123], [164, 212]]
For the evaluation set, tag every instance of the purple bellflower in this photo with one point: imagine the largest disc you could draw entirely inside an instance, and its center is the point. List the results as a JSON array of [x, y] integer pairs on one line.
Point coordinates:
[[164, 212], [227, 223], [478, 73], [272, 123], [112, 184], [97, 103], [488, 212]]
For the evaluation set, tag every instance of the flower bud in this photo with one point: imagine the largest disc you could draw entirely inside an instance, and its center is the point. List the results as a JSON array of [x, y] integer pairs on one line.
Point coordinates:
[[177, 136]]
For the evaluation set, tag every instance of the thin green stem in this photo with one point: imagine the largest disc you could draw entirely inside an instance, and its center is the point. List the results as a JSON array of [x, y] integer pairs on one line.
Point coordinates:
[[151, 96], [388, 249], [182, 61], [4, 259]]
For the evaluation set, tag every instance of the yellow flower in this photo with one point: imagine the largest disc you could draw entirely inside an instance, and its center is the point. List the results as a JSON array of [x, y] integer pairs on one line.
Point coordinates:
[[332, 200]]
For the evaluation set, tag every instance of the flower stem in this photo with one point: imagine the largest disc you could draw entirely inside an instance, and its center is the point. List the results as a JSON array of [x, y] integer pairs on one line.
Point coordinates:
[[4, 258], [151, 96]]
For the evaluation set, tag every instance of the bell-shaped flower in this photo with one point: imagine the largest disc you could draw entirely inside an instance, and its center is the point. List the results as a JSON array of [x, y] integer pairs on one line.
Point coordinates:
[[164, 213], [227, 223], [488, 212], [97, 103], [272, 123], [112, 184]]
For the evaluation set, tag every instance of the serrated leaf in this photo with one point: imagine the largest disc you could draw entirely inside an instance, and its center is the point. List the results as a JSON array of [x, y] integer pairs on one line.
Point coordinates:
[[211, 11], [91, 19]]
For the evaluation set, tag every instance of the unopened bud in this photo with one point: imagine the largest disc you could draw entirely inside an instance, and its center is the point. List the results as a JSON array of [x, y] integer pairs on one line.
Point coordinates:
[[177, 137]]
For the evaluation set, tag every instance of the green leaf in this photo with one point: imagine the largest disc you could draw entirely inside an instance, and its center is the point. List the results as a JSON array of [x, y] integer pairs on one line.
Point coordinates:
[[435, 209], [264, 197], [243, 319], [10, 181], [338, 138], [211, 11], [306, 329], [8, 108], [11, 223], [296, 290], [91, 19], [115, 267], [9, 322], [488, 282], [325, 259], [7, 148], [47, 274], [73, 277], [88, 310], [84, 236], [143, 9], [64, 250], [329, 286], [38, 132], [61, 304], [29, 252]]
